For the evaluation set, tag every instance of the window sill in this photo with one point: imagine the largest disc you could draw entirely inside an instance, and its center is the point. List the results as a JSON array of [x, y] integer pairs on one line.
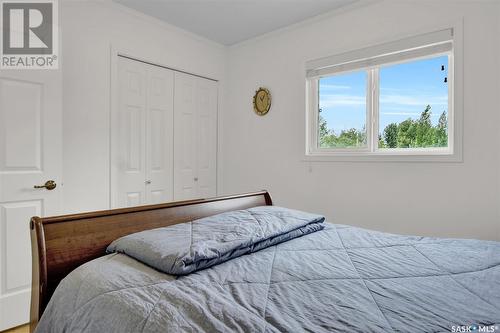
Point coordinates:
[[381, 156]]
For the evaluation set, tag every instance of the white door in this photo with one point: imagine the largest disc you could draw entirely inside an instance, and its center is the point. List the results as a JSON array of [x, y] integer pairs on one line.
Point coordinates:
[[159, 135], [142, 135], [185, 137], [206, 154], [128, 144], [30, 154], [195, 137]]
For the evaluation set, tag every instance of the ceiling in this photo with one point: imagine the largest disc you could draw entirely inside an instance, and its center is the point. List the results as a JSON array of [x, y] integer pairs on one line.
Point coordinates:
[[232, 21]]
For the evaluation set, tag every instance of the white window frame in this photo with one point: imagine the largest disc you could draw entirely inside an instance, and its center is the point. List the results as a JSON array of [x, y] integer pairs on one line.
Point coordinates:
[[443, 42]]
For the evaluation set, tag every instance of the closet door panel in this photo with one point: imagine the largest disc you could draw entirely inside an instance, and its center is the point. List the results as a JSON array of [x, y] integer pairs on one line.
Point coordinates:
[[185, 137], [160, 136], [128, 143], [206, 101]]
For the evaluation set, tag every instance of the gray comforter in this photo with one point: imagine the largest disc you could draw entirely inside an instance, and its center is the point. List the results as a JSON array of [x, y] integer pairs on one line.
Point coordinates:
[[339, 279]]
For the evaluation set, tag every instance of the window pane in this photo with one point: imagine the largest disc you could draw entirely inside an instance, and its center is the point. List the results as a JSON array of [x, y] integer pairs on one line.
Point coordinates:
[[342, 111], [413, 109]]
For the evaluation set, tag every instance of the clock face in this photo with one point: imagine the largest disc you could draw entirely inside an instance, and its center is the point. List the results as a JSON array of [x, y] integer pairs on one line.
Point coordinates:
[[262, 101]]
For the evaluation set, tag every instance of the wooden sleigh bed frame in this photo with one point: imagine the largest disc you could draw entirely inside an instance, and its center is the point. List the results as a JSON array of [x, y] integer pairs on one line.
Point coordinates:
[[61, 243]]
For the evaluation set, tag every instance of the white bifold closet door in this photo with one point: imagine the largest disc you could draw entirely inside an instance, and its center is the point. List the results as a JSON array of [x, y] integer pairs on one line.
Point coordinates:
[[142, 135], [195, 137]]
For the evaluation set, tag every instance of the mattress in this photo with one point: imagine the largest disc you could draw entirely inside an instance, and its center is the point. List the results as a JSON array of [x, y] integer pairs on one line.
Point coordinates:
[[339, 279]]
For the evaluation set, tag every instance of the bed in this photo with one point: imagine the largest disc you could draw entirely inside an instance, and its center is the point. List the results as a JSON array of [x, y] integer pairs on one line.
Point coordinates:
[[315, 276]]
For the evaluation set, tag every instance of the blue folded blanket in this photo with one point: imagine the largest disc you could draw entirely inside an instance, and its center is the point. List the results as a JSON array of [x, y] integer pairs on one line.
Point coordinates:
[[187, 247]]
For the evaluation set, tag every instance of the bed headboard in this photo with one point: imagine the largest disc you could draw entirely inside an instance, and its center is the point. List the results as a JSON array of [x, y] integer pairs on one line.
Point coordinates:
[[61, 243]]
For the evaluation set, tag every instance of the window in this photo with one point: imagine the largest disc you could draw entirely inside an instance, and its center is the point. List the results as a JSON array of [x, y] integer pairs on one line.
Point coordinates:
[[342, 111], [413, 104], [392, 99]]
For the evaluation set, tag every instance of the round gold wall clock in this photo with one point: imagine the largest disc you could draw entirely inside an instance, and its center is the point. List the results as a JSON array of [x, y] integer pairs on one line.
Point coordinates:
[[262, 101]]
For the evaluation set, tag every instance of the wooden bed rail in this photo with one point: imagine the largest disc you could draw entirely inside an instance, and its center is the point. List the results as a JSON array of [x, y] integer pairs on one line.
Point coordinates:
[[61, 243]]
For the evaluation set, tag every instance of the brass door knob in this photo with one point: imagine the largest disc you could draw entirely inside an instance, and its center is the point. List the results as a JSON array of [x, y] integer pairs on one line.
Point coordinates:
[[49, 185]]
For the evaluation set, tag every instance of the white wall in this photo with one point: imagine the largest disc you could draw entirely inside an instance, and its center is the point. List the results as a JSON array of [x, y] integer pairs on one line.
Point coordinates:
[[89, 29], [439, 199]]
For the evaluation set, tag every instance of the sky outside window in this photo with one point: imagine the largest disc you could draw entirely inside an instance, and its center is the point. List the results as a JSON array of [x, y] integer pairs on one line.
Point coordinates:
[[406, 91], [342, 101]]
